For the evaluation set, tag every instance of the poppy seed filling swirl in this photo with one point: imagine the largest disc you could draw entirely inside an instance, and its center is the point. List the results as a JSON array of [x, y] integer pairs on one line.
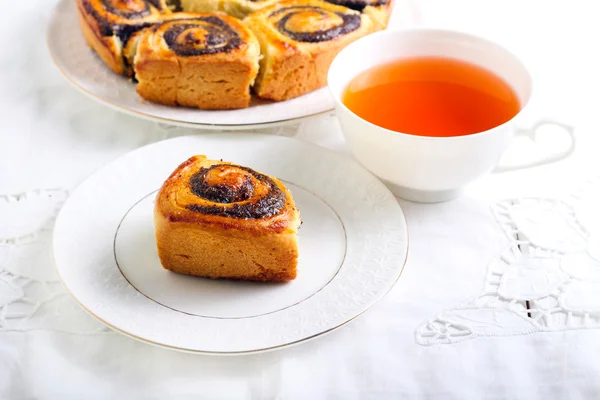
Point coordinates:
[[228, 196], [359, 5], [135, 12], [349, 23], [200, 36]]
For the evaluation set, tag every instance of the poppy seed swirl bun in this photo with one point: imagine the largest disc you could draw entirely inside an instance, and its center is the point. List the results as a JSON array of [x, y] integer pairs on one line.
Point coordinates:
[[220, 220], [299, 39]]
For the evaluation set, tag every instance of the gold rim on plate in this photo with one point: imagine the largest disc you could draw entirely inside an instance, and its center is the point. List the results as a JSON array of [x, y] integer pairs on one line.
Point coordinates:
[[243, 352]]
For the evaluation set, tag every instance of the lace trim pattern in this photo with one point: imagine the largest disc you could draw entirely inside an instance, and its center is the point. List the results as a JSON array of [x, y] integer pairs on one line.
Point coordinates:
[[31, 295], [547, 280]]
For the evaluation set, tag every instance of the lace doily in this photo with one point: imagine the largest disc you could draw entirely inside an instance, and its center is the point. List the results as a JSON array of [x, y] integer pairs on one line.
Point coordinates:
[[31, 295], [547, 280]]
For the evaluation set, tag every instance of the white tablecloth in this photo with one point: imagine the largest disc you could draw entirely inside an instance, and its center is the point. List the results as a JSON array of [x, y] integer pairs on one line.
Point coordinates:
[[52, 137]]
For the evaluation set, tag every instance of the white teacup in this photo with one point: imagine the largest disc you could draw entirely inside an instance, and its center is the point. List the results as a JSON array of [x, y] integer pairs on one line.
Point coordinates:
[[420, 168]]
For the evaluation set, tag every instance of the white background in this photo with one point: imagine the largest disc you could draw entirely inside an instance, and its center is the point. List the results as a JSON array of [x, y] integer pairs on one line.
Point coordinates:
[[53, 136]]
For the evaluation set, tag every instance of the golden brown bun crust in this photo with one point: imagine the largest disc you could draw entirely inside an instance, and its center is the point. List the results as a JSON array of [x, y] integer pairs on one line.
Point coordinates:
[[299, 39], [377, 10], [108, 24], [172, 70], [380, 15], [290, 65], [235, 8], [104, 47], [244, 228]]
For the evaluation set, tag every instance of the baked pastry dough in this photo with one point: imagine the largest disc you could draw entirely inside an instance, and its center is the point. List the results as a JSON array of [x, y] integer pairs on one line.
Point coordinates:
[[379, 13], [107, 26], [211, 62], [299, 39], [235, 8], [219, 220], [199, 60], [378, 10]]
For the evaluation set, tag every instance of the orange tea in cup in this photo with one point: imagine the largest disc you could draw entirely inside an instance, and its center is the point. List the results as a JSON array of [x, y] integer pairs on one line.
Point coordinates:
[[431, 96]]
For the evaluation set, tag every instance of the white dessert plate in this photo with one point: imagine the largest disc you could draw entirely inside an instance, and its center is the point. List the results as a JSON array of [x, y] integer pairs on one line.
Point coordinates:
[[353, 246], [82, 68]]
